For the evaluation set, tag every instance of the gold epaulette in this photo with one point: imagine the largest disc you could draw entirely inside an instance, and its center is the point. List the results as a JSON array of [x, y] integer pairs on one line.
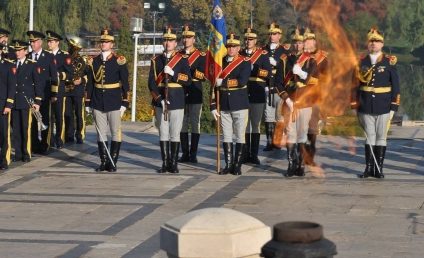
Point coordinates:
[[121, 60], [392, 59], [31, 61], [9, 60]]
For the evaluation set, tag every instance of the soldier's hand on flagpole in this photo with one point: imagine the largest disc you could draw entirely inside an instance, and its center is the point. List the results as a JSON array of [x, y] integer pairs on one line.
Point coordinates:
[[218, 82], [215, 114], [36, 107], [298, 70], [122, 110], [89, 110], [289, 103], [392, 113], [6, 111], [273, 61], [168, 70]]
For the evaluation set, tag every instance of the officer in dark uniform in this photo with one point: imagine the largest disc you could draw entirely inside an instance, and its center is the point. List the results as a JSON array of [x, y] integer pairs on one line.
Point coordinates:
[[28, 89], [48, 72], [58, 99], [194, 96], [107, 98], [74, 91], [376, 98], [7, 97], [275, 51], [4, 40], [169, 75], [258, 81], [234, 103]]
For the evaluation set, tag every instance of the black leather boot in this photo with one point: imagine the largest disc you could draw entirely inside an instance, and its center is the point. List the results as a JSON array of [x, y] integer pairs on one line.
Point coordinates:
[[380, 153], [237, 159], [164, 152], [173, 167], [246, 150], [369, 163], [103, 156], [184, 148], [114, 153], [193, 147], [254, 149], [311, 150], [292, 158], [300, 164], [268, 132], [228, 157]]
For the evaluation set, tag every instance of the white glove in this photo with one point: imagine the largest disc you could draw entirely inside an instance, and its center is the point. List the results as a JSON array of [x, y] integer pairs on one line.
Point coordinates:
[[168, 70], [162, 103], [89, 110], [272, 61], [392, 113], [289, 103], [122, 109], [215, 114], [218, 82], [266, 90], [298, 70]]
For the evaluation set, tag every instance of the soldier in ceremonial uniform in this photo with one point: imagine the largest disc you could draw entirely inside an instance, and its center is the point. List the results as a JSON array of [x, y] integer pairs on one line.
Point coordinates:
[[258, 81], [234, 103], [194, 96], [295, 90], [4, 40], [58, 99], [28, 89], [275, 51], [107, 98], [321, 59], [45, 63], [376, 98], [169, 76], [75, 91], [8, 72]]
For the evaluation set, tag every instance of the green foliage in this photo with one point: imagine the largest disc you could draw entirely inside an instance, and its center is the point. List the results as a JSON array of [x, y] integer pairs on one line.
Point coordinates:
[[412, 90]]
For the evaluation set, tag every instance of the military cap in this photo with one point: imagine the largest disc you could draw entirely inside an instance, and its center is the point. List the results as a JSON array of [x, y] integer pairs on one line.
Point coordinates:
[[188, 32], [250, 33], [4, 32], [168, 34], [375, 35], [297, 35], [106, 35], [19, 45], [233, 40], [309, 34], [74, 42], [51, 35], [35, 35], [274, 28]]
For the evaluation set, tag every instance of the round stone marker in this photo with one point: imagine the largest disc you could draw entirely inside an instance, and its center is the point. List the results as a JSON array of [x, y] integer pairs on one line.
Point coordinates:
[[298, 232]]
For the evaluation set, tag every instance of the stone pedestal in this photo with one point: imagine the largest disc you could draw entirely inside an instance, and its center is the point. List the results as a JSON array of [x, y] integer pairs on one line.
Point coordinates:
[[214, 233]]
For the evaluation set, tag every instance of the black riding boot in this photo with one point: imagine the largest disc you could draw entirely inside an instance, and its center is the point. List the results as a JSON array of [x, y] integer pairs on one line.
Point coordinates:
[[184, 148], [311, 150], [380, 153], [173, 167], [292, 158], [193, 148], [254, 149], [114, 153], [369, 163], [164, 152], [246, 150], [237, 159], [269, 130], [300, 164], [103, 156], [228, 157]]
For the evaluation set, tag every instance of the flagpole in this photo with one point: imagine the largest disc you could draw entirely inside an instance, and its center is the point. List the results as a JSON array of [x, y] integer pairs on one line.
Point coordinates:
[[218, 132]]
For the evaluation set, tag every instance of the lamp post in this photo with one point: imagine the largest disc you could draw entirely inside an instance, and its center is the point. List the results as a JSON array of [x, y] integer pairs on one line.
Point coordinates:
[[31, 14], [161, 7], [136, 28]]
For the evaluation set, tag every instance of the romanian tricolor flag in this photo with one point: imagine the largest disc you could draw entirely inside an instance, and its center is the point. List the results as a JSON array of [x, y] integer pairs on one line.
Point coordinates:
[[216, 43]]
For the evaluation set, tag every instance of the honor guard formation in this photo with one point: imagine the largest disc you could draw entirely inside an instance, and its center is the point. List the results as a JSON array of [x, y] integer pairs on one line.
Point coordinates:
[[46, 95]]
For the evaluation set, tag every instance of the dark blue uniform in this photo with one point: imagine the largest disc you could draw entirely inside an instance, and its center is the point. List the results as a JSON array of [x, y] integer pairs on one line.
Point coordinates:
[[194, 93], [176, 84], [276, 54], [378, 91], [29, 82], [107, 88], [46, 68], [7, 95], [259, 76]]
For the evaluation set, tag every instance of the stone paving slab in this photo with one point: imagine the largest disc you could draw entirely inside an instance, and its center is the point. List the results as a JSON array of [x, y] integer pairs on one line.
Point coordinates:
[[56, 206]]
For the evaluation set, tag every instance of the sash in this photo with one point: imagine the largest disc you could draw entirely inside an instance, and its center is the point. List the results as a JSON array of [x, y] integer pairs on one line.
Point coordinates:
[[227, 70], [255, 56], [174, 60], [193, 57], [300, 61]]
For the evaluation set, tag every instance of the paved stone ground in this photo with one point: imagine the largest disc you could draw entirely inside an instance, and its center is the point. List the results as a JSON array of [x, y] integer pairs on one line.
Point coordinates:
[[56, 206]]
